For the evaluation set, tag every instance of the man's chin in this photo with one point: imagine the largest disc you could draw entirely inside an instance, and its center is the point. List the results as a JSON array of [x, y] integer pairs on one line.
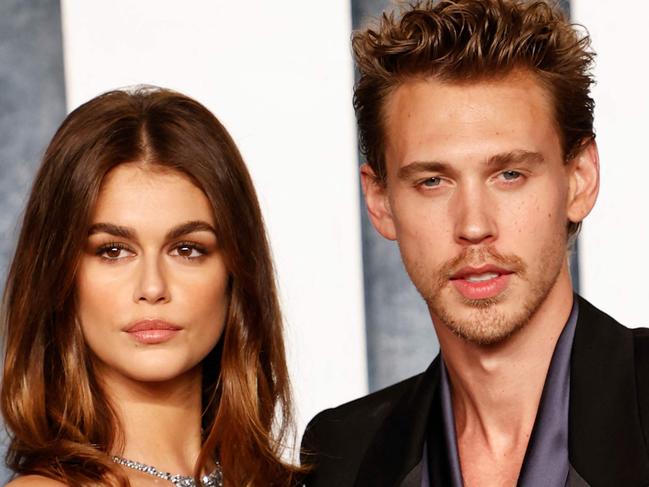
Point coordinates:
[[485, 336], [484, 322]]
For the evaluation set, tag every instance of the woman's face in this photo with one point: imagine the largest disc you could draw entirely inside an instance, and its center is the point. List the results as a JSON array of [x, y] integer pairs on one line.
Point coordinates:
[[152, 286]]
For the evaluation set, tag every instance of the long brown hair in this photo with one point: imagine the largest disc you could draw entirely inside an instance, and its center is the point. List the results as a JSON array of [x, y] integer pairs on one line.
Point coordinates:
[[473, 40], [61, 423]]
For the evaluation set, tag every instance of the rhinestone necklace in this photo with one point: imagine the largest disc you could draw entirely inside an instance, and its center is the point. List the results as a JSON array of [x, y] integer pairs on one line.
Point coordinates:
[[215, 479]]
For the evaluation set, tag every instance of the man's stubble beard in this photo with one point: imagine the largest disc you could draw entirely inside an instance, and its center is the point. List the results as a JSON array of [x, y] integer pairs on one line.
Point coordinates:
[[487, 323]]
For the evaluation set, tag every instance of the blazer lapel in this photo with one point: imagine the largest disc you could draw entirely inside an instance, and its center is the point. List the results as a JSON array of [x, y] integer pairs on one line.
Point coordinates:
[[606, 443], [414, 477], [394, 457], [605, 439], [575, 480]]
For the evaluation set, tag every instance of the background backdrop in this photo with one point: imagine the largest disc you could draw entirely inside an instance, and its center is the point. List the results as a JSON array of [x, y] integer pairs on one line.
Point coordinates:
[[279, 76]]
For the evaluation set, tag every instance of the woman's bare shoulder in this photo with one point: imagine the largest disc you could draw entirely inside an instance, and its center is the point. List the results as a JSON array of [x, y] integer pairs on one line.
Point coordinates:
[[34, 481]]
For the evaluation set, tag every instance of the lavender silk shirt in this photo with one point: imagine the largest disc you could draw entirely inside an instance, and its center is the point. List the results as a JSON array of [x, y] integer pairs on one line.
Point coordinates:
[[546, 462]]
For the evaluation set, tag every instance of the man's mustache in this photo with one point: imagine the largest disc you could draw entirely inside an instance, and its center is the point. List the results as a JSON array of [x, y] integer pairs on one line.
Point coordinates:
[[477, 257]]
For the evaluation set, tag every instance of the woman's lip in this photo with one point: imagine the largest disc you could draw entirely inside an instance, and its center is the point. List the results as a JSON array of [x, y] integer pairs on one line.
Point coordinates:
[[153, 331], [149, 325], [153, 336]]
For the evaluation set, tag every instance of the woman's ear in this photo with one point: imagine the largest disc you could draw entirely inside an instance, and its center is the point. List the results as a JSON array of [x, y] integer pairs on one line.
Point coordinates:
[[584, 182], [378, 206]]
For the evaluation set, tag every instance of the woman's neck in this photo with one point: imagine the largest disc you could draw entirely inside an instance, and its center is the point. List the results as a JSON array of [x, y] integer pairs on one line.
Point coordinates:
[[160, 421]]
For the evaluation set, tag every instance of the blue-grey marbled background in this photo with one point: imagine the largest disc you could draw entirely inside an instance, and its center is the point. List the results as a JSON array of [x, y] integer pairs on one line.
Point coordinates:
[[400, 337], [32, 105]]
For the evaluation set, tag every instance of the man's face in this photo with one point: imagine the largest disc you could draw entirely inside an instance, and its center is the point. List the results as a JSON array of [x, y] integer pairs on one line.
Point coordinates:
[[478, 198]]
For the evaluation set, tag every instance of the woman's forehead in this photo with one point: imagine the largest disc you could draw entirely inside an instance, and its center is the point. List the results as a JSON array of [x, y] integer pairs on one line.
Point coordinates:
[[134, 193]]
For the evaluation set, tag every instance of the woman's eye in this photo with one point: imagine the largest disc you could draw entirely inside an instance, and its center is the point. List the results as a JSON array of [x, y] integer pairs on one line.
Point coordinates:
[[188, 251], [113, 252], [431, 182], [511, 175]]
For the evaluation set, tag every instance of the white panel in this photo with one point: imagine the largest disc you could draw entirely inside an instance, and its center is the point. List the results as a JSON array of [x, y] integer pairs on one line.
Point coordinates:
[[279, 76], [615, 238]]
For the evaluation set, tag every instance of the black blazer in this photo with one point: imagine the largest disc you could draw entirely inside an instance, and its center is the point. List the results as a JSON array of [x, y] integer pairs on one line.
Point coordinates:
[[378, 440]]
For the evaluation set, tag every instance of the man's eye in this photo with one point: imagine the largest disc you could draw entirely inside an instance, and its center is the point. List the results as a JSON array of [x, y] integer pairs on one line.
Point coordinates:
[[188, 251], [511, 175], [431, 182], [113, 252]]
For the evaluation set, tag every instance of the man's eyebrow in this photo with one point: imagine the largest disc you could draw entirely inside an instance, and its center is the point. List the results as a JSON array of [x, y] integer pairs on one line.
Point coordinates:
[[407, 171], [174, 233], [515, 156], [497, 160]]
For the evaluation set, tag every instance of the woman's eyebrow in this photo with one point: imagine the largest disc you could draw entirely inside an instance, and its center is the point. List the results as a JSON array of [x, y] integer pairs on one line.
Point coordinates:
[[174, 233], [112, 229], [189, 227]]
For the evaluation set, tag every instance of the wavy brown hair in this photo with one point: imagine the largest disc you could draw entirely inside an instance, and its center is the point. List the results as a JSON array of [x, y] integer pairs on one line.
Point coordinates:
[[473, 40], [60, 420]]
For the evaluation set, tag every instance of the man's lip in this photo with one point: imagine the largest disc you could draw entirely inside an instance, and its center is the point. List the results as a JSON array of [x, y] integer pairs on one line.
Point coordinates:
[[146, 325], [467, 271]]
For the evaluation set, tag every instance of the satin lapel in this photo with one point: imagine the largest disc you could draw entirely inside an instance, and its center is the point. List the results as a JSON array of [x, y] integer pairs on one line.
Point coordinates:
[[413, 478], [397, 447], [605, 440], [575, 480]]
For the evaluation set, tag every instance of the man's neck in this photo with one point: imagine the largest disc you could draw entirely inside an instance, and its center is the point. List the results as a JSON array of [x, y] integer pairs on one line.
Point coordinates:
[[496, 390]]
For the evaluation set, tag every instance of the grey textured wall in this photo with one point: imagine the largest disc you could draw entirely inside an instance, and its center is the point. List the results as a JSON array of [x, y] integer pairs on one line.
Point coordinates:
[[32, 105], [32, 101], [400, 336]]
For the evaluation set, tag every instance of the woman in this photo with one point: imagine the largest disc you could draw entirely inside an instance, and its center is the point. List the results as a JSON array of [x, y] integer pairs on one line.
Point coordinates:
[[143, 332]]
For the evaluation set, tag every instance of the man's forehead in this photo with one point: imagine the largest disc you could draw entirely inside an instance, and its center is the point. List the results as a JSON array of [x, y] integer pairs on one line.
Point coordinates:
[[501, 115], [519, 79]]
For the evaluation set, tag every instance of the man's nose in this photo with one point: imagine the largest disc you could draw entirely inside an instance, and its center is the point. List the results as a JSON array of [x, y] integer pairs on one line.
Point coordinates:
[[474, 213], [151, 285]]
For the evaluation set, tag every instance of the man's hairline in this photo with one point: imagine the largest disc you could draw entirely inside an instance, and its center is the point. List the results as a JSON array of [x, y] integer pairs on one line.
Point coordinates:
[[515, 72]]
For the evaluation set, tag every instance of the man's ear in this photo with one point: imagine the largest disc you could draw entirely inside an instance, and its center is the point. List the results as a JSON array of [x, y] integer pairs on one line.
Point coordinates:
[[584, 182], [378, 206]]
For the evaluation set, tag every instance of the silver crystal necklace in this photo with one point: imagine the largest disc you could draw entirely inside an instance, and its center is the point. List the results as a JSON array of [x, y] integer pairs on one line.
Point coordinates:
[[215, 479]]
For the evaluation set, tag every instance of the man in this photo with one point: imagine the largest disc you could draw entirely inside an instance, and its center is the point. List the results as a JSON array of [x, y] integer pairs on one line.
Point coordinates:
[[477, 124]]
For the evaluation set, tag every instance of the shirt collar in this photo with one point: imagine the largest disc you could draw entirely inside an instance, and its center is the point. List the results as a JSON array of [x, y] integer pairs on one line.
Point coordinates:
[[546, 461]]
